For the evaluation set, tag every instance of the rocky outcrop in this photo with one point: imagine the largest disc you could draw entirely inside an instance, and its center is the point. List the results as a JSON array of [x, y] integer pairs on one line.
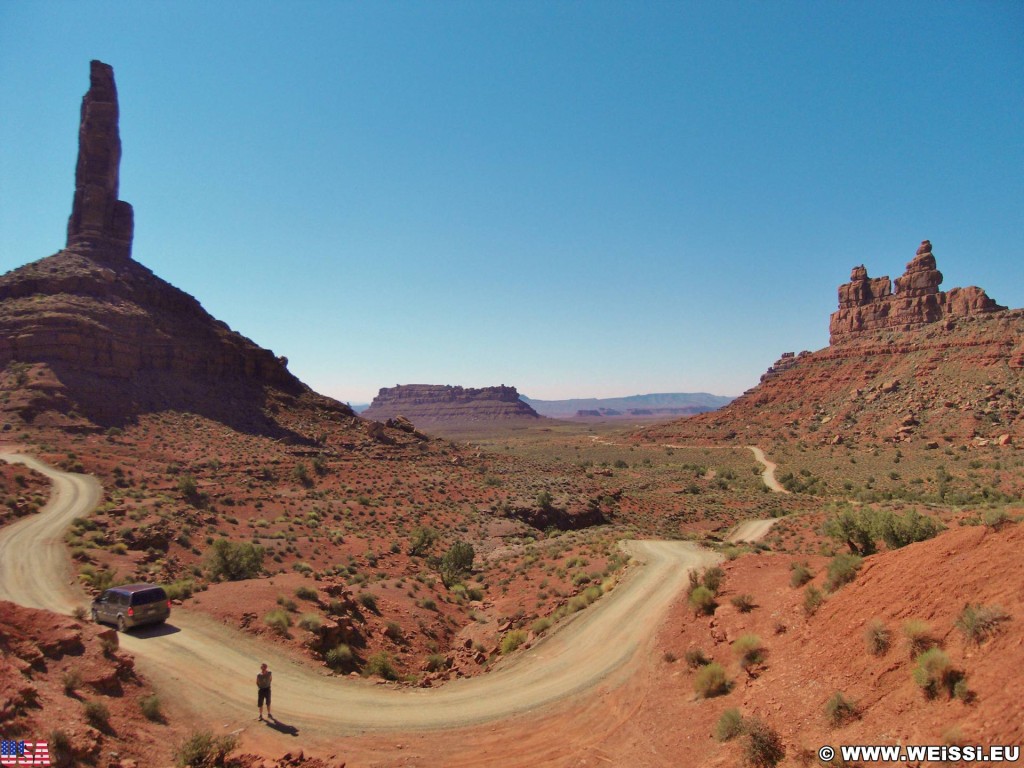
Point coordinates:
[[100, 223], [869, 304], [426, 404], [119, 340]]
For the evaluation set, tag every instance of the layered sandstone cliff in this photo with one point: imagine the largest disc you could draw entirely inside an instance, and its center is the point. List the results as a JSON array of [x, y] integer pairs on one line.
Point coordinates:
[[869, 304], [118, 339], [432, 404]]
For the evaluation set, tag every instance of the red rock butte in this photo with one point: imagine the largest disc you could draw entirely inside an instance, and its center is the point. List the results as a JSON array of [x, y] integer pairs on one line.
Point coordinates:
[[869, 304], [100, 223]]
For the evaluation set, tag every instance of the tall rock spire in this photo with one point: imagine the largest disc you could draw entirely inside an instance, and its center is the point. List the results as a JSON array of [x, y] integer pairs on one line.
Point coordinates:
[[100, 224]]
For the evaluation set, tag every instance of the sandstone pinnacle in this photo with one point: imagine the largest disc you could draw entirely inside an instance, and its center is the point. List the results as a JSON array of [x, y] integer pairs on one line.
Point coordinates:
[[100, 224]]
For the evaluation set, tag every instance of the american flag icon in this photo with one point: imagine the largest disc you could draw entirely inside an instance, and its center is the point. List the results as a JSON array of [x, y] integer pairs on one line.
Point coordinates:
[[24, 753]]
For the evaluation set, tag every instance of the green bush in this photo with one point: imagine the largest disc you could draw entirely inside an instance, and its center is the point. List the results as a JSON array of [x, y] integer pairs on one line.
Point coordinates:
[[98, 715], [710, 681], [311, 622], [729, 725], [382, 665], [541, 625], [813, 598], [702, 600], [368, 601], [744, 603], [763, 747], [839, 709], [712, 578], [842, 569], [181, 589], [457, 563], [150, 706], [695, 658], [977, 622], [201, 749], [800, 574], [307, 593], [436, 661], [878, 637], [278, 620], [422, 540], [919, 636], [72, 682], [231, 561], [512, 640], [749, 649], [339, 657], [935, 672]]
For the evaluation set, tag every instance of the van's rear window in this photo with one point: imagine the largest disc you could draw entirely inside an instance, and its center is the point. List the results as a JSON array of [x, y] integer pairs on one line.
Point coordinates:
[[154, 595]]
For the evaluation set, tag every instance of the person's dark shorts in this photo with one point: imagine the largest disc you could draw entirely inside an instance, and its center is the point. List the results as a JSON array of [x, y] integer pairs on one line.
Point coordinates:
[[264, 696]]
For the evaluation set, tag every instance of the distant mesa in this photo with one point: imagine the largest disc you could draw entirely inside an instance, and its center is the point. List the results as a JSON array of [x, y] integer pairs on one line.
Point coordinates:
[[869, 304], [653, 406], [437, 404], [115, 340]]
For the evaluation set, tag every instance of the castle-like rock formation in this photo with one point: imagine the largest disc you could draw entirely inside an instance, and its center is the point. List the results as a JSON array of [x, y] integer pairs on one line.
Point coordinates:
[[432, 404], [869, 304]]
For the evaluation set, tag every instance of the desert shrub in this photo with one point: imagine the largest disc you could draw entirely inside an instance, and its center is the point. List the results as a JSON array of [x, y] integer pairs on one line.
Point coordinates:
[[702, 600], [710, 681], [311, 622], [729, 725], [287, 603], [422, 540], [436, 661], [72, 680], [813, 598], [181, 589], [744, 603], [878, 637], [150, 706], [763, 747], [278, 620], [512, 640], [712, 578], [234, 561], [393, 631], [919, 636], [339, 657], [799, 575], [306, 593], [996, 519], [62, 752], [839, 709], [369, 601], [749, 649], [842, 569], [457, 563], [80, 613], [900, 530], [201, 749], [541, 625], [935, 672], [695, 658], [189, 489], [97, 714], [978, 622], [382, 665]]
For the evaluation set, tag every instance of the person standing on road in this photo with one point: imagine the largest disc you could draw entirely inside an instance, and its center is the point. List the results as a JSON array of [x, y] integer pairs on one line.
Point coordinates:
[[263, 690]]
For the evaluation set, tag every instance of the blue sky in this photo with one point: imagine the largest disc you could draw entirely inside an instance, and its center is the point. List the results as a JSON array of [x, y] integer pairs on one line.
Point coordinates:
[[578, 199]]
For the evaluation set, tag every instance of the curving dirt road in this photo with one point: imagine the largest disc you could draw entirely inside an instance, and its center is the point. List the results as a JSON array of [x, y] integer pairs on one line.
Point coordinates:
[[209, 669], [768, 475]]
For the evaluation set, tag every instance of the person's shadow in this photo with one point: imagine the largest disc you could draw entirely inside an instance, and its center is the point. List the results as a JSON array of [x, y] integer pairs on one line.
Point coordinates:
[[277, 725]]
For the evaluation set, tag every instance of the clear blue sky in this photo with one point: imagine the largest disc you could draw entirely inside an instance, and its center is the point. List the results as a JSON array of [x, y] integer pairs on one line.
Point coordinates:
[[578, 199]]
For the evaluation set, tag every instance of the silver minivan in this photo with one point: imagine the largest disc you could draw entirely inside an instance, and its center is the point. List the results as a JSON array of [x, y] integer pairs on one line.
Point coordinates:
[[132, 605]]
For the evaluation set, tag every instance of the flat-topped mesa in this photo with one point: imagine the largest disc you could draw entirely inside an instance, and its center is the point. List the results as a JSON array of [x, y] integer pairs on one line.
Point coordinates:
[[439, 403], [100, 225], [869, 304]]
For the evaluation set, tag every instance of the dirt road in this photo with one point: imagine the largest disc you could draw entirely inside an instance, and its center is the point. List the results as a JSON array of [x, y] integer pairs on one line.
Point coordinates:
[[209, 669], [768, 475]]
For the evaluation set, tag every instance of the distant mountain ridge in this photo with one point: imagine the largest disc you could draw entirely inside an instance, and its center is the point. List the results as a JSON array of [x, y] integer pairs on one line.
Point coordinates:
[[656, 404]]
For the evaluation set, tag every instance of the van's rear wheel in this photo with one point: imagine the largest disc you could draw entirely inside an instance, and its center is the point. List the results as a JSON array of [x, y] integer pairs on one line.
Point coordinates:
[[120, 624], [95, 618]]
